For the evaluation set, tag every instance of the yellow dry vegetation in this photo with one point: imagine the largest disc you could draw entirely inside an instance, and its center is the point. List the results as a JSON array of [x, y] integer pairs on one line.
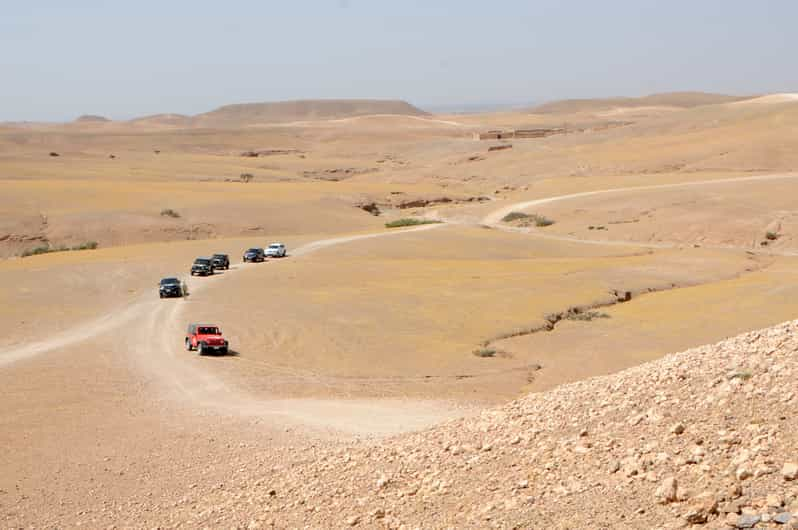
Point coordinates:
[[401, 315]]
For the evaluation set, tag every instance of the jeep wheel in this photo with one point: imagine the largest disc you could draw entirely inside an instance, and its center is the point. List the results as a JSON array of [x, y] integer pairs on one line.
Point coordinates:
[[188, 345]]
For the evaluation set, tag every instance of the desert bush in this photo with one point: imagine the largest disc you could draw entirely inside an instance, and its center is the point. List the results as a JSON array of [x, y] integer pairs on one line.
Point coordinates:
[[771, 236], [514, 216], [409, 221], [168, 212], [484, 352], [539, 220], [88, 245], [35, 251], [246, 178]]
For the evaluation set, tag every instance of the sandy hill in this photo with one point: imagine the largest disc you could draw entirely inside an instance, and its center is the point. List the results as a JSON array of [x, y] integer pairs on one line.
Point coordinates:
[[752, 135], [670, 99], [244, 114], [91, 118], [163, 120]]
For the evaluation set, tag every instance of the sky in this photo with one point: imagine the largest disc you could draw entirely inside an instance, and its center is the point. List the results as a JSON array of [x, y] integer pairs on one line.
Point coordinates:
[[122, 59]]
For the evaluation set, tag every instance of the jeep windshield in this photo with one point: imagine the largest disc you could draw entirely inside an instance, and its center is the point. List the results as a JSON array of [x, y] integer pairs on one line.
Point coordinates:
[[202, 261], [253, 251], [170, 281], [275, 245], [208, 330], [219, 256]]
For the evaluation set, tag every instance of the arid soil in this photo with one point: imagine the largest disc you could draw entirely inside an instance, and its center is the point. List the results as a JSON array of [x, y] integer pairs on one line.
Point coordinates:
[[475, 372]]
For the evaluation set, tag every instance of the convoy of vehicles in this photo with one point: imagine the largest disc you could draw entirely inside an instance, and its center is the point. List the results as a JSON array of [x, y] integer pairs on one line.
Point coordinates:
[[206, 338]]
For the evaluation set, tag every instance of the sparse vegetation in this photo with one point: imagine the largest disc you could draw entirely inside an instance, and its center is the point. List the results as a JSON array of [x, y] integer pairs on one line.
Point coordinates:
[[542, 221], [771, 236], [586, 316], [409, 221], [246, 178], [168, 212], [88, 245], [485, 352], [36, 251], [514, 216], [538, 220]]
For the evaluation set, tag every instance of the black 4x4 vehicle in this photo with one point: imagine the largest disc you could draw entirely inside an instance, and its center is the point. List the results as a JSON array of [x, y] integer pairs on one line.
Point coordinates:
[[254, 254], [202, 267], [169, 287], [220, 261]]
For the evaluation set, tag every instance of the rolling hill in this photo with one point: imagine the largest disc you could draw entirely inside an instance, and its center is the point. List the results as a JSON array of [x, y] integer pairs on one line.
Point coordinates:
[[244, 114], [670, 99]]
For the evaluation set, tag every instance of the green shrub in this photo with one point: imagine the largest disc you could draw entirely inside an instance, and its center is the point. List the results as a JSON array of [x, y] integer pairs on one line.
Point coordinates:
[[409, 221], [771, 236], [168, 212], [514, 216], [88, 245], [35, 251], [539, 220]]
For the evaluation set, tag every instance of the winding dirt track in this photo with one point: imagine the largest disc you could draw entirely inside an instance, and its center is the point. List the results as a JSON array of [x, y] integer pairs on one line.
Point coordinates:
[[185, 380], [494, 218]]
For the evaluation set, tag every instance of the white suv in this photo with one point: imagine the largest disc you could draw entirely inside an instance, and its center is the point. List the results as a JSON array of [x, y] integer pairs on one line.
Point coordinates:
[[275, 250]]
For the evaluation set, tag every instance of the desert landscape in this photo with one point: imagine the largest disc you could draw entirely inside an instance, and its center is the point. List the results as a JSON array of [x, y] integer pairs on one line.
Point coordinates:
[[476, 325]]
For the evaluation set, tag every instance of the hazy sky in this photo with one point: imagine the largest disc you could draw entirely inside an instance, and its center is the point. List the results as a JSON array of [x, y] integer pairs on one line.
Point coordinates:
[[62, 58]]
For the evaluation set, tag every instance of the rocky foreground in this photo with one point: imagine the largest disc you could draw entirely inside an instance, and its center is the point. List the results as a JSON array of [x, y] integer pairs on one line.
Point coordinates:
[[707, 437]]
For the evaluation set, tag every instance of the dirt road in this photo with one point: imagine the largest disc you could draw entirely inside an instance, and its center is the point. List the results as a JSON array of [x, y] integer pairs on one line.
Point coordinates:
[[494, 219]]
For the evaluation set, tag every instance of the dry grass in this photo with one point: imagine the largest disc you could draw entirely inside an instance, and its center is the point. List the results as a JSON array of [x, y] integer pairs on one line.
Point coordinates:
[[88, 245], [484, 352], [409, 221]]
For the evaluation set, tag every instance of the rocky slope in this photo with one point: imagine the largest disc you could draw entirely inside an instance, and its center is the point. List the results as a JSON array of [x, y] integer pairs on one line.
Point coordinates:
[[704, 437]]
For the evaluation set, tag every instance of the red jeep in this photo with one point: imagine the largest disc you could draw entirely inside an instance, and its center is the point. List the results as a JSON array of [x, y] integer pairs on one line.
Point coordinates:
[[205, 339]]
